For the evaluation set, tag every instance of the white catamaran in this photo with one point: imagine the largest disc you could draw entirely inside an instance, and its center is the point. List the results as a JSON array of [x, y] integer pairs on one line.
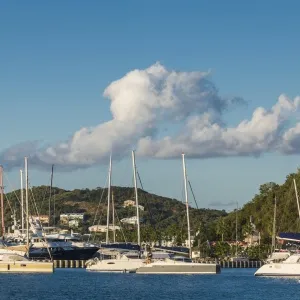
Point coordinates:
[[289, 264], [288, 267], [108, 260]]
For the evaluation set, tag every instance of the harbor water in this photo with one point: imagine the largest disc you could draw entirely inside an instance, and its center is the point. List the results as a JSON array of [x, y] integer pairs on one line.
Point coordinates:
[[80, 284]]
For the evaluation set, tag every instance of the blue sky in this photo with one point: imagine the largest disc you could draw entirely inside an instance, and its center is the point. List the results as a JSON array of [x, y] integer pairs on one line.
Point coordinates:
[[57, 58]]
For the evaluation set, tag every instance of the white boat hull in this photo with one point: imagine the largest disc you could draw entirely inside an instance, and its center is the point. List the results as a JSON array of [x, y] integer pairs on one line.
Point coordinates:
[[26, 267], [116, 265], [280, 269]]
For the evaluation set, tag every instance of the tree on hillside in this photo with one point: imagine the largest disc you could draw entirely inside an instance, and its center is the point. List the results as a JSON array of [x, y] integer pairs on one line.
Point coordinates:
[[221, 249], [222, 227], [248, 230], [266, 188]]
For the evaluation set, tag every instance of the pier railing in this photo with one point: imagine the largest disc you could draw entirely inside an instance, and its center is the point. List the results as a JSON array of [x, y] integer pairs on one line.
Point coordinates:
[[241, 264], [224, 264]]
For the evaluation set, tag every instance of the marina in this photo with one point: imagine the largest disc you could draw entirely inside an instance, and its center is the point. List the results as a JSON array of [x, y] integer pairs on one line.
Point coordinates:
[[43, 252], [149, 150]]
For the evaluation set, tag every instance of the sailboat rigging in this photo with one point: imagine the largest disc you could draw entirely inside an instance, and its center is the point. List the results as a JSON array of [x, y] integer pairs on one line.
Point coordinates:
[[2, 201], [187, 207], [109, 259], [22, 202], [108, 200], [50, 195], [136, 199], [179, 264]]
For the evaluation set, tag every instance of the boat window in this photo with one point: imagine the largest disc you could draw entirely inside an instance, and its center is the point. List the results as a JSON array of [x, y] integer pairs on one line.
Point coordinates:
[[183, 259], [176, 259], [16, 258], [132, 256], [96, 255], [110, 263], [67, 248]]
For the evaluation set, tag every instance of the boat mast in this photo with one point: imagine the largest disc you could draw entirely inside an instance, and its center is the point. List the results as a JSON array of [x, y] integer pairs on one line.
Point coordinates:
[[26, 200], [2, 202], [187, 206], [108, 200], [297, 197], [136, 199], [274, 226], [236, 229], [113, 216], [22, 201], [51, 183]]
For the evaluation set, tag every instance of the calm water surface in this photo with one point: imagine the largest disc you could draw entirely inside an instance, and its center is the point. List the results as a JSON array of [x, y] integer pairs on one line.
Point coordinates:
[[80, 284]]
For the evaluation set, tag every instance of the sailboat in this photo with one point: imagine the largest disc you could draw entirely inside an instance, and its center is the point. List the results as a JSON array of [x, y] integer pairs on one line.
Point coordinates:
[[118, 260], [179, 264], [13, 259]]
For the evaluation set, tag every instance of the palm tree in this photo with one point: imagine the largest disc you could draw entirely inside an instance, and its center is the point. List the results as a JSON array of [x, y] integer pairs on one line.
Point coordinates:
[[248, 230], [221, 228]]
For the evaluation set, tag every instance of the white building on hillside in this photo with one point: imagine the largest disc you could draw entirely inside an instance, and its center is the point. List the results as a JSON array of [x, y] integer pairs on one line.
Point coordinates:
[[71, 219], [132, 220], [131, 203], [128, 203], [102, 228]]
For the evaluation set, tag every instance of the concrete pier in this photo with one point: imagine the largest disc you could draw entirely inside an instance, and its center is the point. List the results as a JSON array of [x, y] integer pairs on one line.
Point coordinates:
[[69, 264], [241, 264], [224, 264]]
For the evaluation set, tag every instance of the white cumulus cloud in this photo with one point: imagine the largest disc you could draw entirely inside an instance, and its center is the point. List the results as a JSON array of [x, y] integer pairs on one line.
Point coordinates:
[[203, 137], [145, 101]]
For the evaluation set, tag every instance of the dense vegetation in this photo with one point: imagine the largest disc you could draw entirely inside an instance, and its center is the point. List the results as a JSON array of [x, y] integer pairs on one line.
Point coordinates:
[[261, 210], [163, 218]]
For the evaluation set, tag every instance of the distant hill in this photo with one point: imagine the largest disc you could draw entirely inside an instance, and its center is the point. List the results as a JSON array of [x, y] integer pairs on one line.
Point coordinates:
[[164, 215]]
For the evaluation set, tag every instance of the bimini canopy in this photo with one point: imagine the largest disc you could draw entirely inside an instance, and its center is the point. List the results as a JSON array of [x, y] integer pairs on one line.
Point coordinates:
[[289, 236]]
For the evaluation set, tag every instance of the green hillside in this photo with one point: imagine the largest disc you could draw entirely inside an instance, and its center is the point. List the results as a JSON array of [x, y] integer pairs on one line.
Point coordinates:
[[162, 218], [261, 209]]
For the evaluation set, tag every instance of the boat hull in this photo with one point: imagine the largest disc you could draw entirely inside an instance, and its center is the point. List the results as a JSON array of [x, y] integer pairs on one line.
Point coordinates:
[[280, 269], [116, 266], [193, 268], [63, 254], [26, 267]]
